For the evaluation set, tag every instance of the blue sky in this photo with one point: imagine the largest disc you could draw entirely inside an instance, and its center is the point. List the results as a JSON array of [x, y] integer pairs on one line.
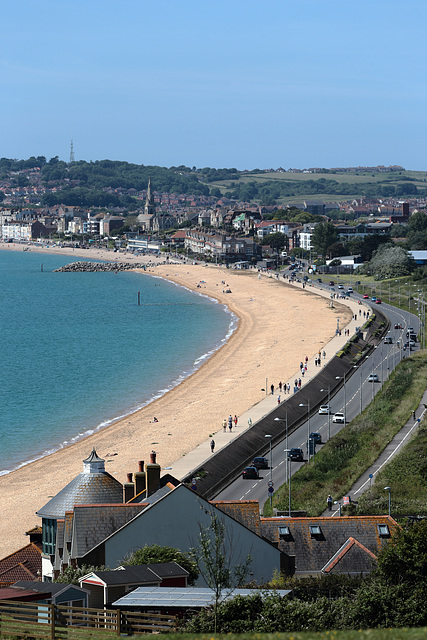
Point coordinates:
[[237, 83]]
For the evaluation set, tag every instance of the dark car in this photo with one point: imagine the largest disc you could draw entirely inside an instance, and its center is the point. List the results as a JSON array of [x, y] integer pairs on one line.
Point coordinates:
[[260, 463], [331, 283], [296, 455], [316, 437], [250, 473]]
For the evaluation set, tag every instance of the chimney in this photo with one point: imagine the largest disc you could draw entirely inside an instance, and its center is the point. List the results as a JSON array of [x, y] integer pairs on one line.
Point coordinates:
[[152, 475], [140, 478], [128, 489]]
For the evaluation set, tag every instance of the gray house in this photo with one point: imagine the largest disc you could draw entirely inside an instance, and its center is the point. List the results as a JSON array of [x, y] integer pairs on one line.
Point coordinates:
[[173, 520]]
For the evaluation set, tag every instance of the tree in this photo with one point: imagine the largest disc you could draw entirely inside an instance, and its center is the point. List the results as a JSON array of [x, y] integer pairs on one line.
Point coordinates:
[[389, 261], [71, 575], [275, 240], [215, 559], [404, 559], [151, 554], [324, 235]]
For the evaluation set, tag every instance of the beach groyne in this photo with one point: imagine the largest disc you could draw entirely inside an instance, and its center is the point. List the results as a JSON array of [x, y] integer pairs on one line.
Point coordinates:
[[102, 266]]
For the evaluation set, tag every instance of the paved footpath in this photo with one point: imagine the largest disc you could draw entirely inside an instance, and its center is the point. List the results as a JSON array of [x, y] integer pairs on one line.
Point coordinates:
[[394, 447], [195, 458]]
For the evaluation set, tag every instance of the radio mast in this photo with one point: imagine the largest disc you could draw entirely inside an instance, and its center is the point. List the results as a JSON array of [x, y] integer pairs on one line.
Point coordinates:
[[71, 152]]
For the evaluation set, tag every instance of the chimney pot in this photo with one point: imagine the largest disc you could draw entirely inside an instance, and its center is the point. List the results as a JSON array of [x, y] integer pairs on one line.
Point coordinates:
[[153, 457], [141, 466], [129, 475]]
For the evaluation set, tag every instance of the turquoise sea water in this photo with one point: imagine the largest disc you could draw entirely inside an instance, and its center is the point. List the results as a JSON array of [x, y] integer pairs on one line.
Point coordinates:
[[77, 352]]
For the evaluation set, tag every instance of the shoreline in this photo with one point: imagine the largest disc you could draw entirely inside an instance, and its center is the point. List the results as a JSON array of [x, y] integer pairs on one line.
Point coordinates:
[[277, 326]]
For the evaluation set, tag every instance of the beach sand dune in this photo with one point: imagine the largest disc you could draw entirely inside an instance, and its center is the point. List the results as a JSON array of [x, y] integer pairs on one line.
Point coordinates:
[[278, 326]]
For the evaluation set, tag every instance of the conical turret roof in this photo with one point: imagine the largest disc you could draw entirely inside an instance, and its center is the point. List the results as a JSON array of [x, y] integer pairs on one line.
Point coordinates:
[[93, 486]]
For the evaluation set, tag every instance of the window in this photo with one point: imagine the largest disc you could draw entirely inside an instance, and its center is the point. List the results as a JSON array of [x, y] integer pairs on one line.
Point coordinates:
[[383, 531], [284, 531], [315, 530], [48, 536]]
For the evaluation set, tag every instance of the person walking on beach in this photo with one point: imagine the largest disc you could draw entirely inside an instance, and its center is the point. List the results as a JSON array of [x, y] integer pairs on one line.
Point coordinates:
[[224, 425], [272, 389], [212, 445], [329, 502], [280, 386]]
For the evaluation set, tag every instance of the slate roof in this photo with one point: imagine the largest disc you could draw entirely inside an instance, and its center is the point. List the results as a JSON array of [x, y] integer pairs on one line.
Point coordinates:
[[352, 557], [348, 544], [92, 523], [244, 511], [52, 588], [137, 574], [93, 486], [26, 564]]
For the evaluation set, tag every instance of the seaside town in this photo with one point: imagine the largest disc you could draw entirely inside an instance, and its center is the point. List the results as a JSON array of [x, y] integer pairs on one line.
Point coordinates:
[[213, 281]]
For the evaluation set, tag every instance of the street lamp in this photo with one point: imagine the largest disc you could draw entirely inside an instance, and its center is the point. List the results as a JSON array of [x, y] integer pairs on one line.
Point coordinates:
[[286, 421], [389, 499], [308, 427], [271, 470], [329, 411], [339, 507], [289, 479], [345, 396]]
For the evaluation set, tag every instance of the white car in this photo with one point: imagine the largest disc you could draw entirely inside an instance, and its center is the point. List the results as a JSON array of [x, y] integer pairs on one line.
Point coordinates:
[[373, 378], [338, 417], [324, 410]]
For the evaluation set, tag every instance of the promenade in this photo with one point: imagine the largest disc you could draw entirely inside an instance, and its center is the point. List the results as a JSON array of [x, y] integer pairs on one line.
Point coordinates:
[[194, 459]]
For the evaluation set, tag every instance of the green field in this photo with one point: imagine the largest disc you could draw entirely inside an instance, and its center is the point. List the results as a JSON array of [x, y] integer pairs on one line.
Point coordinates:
[[359, 180]]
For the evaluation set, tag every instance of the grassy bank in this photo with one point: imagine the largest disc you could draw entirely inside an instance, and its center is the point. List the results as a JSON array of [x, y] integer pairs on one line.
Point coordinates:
[[347, 455]]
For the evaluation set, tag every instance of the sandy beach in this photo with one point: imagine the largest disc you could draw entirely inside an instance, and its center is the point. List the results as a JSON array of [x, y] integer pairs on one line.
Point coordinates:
[[278, 326]]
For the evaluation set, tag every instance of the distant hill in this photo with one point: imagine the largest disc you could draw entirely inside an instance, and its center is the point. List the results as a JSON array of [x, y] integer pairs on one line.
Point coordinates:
[[258, 186]]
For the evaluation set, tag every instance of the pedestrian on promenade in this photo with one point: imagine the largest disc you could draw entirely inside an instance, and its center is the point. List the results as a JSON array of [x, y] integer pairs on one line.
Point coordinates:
[[230, 422], [224, 425], [249, 422], [289, 387], [413, 415], [329, 502], [212, 445], [272, 389], [280, 386], [278, 399], [324, 354], [235, 421], [299, 383]]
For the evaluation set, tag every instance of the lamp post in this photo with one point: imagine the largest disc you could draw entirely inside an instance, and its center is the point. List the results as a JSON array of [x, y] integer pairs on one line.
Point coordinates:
[[308, 427], [271, 469], [289, 479], [345, 396], [329, 411], [287, 445], [389, 499]]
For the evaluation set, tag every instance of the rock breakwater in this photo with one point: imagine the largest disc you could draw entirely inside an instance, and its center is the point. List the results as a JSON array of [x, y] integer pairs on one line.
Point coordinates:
[[104, 266]]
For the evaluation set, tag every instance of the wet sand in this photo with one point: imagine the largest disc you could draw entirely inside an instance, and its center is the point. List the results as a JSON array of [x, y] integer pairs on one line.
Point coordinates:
[[278, 326]]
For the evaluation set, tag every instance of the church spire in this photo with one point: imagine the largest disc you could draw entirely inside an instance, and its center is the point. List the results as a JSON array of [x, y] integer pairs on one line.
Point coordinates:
[[150, 207]]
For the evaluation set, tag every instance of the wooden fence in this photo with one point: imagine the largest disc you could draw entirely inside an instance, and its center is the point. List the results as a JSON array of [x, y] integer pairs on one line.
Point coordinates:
[[51, 622]]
